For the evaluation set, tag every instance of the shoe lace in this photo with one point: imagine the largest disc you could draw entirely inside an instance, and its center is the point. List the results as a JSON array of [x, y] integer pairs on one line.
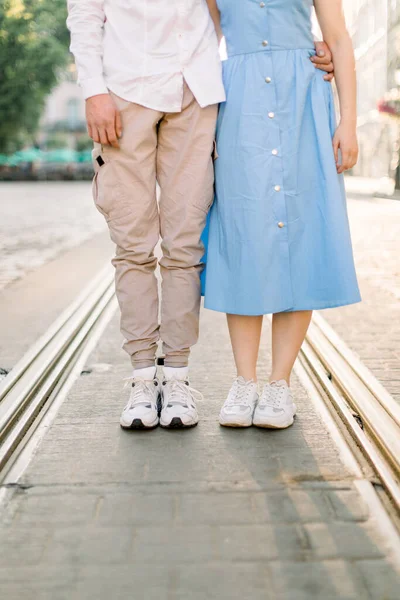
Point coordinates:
[[241, 392], [272, 395], [180, 392], [142, 391]]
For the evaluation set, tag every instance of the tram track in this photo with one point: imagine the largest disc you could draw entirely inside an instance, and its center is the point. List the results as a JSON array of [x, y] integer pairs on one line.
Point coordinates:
[[31, 387], [367, 410]]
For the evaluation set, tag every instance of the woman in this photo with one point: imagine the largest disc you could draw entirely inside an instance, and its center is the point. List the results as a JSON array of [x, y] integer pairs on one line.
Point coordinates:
[[279, 238]]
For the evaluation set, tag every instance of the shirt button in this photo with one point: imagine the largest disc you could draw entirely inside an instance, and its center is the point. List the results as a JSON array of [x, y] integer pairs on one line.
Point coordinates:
[[274, 152], [280, 224], [265, 43], [271, 115], [277, 188], [262, 4], [268, 79]]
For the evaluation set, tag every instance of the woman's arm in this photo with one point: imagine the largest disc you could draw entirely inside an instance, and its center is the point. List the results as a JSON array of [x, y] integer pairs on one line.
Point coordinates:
[[333, 26], [214, 12]]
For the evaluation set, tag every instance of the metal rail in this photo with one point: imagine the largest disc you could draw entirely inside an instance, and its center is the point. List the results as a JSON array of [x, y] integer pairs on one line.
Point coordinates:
[[350, 387], [369, 412], [28, 387]]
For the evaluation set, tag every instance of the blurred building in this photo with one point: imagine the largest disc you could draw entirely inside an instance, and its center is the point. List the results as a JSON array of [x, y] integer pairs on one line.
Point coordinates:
[[63, 122], [375, 29]]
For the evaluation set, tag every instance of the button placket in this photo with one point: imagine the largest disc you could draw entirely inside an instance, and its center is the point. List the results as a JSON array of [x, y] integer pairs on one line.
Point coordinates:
[[181, 38], [278, 198]]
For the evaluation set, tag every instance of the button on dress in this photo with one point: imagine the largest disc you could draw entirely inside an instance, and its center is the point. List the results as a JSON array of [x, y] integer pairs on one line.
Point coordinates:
[[278, 232]]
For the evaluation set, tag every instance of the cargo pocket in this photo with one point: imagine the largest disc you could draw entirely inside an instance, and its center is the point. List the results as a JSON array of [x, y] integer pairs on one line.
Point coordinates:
[[98, 163], [109, 194]]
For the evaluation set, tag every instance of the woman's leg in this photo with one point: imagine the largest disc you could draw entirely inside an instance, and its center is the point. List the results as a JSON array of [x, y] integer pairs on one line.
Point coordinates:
[[245, 335], [288, 332]]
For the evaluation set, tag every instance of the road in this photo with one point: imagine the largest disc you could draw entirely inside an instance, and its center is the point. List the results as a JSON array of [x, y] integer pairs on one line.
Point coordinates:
[[42, 220]]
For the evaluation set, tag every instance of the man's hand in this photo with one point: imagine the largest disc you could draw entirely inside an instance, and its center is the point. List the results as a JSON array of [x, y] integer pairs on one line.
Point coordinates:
[[323, 60], [103, 120]]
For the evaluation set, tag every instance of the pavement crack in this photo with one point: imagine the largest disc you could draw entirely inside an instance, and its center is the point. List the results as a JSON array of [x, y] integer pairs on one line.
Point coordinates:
[[16, 486]]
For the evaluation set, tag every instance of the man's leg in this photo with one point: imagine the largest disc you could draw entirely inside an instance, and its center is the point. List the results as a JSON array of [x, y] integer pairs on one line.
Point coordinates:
[[186, 177], [125, 192]]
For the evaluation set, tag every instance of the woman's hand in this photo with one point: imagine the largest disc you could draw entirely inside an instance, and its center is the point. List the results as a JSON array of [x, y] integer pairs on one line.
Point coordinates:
[[345, 139]]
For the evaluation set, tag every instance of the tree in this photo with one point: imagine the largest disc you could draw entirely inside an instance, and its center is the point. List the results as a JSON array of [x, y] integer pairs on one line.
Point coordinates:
[[33, 47]]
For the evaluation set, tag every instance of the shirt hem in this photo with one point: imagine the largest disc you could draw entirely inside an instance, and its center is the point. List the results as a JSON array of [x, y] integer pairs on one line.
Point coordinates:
[[160, 108]]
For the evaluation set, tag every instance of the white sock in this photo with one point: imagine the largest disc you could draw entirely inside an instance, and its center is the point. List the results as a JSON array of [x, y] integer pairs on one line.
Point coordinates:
[[180, 373], [148, 373]]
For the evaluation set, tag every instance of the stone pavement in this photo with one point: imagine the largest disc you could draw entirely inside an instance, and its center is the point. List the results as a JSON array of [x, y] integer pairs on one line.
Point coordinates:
[[208, 513], [372, 328]]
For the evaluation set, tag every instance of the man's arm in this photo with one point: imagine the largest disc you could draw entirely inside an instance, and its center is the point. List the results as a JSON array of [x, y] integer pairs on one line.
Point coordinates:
[[214, 12], [86, 23]]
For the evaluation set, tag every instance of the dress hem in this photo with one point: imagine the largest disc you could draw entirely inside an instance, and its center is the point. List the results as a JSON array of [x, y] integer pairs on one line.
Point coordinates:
[[316, 306]]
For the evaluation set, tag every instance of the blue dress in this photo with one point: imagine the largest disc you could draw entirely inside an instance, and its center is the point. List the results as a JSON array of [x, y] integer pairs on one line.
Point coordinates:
[[278, 237]]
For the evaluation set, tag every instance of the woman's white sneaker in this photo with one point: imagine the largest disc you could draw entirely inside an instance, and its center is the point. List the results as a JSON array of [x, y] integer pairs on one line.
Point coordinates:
[[238, 408], [142, 409], [275, 409], [178, 404]]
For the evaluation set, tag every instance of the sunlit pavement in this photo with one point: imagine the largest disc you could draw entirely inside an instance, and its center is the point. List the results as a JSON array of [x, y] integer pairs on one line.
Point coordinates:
[[209, 513], [372, 328], [39, 221]]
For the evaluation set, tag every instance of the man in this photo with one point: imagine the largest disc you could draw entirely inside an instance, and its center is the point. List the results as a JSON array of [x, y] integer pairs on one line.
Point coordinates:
[[151, 76]]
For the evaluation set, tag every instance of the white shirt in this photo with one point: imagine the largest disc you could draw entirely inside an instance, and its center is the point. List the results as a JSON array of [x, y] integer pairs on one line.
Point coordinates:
[[142, 50]]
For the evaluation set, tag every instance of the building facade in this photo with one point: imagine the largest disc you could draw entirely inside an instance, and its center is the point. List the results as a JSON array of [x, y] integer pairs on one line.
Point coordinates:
[[63, 121], [374, 28]]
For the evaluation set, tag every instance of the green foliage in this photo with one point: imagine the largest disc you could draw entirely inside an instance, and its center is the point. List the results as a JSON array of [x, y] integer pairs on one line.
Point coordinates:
[[33, 47]]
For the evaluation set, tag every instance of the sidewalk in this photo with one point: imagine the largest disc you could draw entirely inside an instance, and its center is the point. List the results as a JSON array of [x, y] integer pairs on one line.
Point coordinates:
[[208, 513], [368, 186], [372, 328]]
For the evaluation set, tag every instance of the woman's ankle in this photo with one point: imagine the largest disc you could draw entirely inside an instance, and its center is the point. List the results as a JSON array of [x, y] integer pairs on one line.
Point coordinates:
[[279, 376], [247, 376]]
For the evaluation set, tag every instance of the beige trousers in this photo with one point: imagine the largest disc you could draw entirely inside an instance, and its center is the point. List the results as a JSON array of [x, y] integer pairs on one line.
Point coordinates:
[[174, 150]]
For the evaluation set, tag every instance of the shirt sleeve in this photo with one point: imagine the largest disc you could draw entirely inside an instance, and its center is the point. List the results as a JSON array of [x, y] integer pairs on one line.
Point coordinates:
[[86, 24]]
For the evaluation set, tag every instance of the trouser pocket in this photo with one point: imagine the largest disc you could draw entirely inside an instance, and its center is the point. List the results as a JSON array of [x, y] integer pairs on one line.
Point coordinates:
[[109, 192]]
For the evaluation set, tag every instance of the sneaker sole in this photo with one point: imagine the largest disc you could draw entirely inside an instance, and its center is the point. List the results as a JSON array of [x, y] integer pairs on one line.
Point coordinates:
[[235, 425], [274, 425], [138, 424], [176, 423]]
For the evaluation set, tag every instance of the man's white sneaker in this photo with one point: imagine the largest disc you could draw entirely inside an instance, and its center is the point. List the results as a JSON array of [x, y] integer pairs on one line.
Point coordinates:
[[142, 409], [238, 408], [178, 404], [276, 408]]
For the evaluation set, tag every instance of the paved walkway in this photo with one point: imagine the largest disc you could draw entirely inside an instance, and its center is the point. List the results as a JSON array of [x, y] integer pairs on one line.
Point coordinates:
[[372, 328], [208, 513]]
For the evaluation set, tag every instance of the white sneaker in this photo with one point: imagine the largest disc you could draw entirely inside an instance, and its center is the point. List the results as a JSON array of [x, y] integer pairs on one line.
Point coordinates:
[[142, 409], [238, 408], [178, 404], [276, 408]]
